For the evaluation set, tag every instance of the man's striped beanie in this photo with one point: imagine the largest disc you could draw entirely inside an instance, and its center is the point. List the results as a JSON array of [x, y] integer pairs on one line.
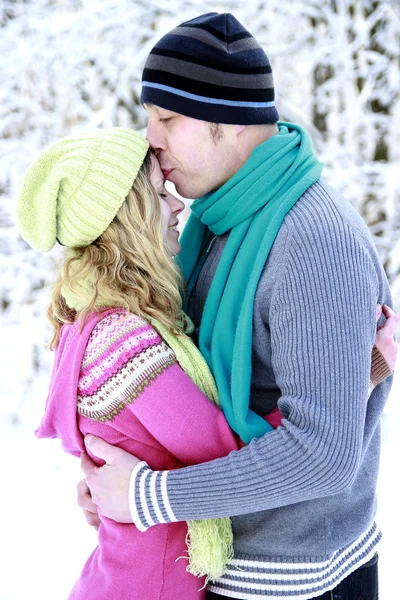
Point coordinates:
[[212, 69]]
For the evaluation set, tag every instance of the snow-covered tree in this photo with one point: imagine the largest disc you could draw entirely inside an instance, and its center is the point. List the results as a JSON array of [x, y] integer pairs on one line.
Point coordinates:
[[73, 64]]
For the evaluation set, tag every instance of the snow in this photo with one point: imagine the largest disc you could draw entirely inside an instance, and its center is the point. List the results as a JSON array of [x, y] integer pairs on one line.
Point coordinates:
[[68, 65]]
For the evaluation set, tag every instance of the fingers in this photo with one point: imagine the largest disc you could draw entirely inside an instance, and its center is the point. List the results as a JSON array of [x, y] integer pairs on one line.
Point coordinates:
[[392, 320], [384, 339], [84, 497], [85, 502], [102, 449], [109, 483], [378, 311], [87, 465], [92, 520]]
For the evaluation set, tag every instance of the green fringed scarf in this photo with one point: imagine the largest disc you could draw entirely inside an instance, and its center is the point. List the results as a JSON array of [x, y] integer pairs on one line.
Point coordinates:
[[209, 541], [252, 206]]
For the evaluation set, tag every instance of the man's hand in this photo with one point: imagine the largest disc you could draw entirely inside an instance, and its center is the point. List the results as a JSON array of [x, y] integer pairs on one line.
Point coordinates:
[[109, 484], [384, 340], [85, 502]]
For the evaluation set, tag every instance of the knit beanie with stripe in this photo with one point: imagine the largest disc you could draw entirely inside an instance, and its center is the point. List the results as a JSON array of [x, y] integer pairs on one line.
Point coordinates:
[[76, 187], [212, 69]]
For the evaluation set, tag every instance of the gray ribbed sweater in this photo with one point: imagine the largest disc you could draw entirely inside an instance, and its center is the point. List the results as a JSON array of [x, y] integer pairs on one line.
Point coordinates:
[[306, 491]]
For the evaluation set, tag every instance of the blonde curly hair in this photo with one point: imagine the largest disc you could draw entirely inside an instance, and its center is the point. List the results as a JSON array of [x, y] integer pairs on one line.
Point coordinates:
[[129, 266]]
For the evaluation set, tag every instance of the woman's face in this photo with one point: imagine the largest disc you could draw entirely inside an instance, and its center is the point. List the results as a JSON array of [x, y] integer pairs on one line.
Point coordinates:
[[170, 208]]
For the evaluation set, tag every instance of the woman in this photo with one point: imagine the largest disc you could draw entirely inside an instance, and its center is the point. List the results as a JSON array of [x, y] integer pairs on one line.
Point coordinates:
[[121, 351]]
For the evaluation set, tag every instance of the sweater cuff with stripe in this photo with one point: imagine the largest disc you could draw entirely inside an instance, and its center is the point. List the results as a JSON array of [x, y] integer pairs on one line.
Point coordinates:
[[148, 498]]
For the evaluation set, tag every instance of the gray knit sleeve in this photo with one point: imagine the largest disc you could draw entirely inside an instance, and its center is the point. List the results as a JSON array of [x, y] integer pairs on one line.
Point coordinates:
[[322, 322]]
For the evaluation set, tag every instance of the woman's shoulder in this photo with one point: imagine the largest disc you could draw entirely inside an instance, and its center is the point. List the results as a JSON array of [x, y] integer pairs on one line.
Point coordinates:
[[123, 355], [118, 325], [120, 334], [119, 320]]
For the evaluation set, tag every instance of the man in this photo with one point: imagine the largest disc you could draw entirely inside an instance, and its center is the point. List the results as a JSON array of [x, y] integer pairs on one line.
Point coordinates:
[[284, 279]]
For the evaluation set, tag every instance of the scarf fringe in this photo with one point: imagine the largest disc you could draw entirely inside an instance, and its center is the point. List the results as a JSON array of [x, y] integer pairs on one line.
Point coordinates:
[[210, 547], [209, 541]]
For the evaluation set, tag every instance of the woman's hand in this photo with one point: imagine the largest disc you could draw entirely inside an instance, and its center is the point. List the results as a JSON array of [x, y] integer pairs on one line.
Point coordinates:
[[384, 339]]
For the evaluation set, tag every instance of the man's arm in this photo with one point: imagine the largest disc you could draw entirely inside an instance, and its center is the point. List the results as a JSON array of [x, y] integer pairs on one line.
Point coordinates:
[[84, 499], [106, 482]]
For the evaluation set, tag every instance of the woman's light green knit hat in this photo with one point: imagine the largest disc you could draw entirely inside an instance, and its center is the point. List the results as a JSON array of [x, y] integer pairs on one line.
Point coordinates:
[[76, 187]]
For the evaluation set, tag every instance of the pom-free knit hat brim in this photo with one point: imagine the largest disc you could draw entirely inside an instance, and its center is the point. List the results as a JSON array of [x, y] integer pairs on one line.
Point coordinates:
[[76, 187]]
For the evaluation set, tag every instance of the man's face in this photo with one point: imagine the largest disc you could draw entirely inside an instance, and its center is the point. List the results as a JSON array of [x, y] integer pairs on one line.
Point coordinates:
[[190, 156]]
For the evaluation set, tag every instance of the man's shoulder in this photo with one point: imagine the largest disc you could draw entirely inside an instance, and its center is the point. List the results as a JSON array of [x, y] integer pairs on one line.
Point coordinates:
[[322, 210], [322, 218], [323, 231]]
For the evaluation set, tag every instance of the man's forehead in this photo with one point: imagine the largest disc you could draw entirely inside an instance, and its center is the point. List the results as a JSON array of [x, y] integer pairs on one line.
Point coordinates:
[[158, 109]]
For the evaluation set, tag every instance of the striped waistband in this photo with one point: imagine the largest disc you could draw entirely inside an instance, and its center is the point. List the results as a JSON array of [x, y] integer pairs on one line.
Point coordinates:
[[250, 579]]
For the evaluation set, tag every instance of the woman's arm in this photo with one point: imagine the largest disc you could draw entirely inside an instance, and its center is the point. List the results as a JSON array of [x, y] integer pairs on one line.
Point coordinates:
[[384, 352]]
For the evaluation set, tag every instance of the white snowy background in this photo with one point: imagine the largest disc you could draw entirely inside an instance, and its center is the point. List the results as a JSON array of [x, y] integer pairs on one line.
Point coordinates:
[[66, 65]]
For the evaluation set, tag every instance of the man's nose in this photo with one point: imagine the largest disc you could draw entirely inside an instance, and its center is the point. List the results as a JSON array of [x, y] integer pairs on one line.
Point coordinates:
[[155, 137]]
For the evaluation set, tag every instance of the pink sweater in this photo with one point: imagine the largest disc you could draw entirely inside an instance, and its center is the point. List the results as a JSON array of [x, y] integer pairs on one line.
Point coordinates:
[[118, 380]]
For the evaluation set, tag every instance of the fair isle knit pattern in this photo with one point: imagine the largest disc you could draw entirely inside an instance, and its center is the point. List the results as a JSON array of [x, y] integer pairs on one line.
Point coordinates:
[[123, 356], [212, 69]]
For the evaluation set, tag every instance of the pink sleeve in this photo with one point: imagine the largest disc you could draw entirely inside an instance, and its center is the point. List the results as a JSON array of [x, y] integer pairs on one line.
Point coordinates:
[[183, 419], [274, 418], [128, 368]]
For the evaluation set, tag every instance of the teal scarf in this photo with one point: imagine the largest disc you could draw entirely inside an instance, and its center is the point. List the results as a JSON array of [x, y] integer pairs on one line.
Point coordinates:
[[252, 206]]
